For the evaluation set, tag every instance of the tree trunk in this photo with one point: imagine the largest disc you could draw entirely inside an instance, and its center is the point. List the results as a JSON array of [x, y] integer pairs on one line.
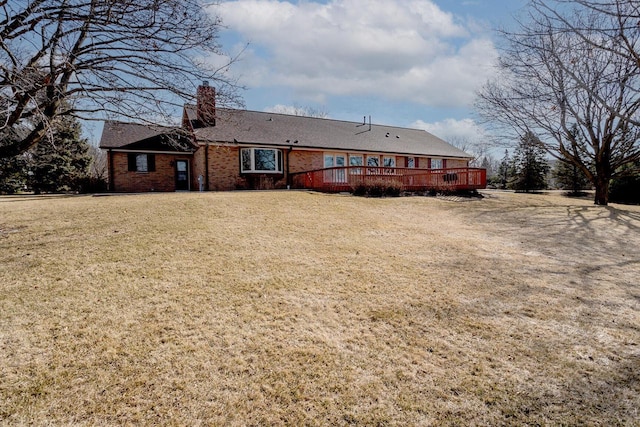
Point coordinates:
[[602, 190]]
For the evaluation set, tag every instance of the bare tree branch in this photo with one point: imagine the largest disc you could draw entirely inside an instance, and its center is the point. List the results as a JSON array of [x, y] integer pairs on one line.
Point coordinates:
[[136, 59], [567, 76]]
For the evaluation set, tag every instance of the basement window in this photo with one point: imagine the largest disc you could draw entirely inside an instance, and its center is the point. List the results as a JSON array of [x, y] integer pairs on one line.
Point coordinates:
[[260, 160], [141, 162]]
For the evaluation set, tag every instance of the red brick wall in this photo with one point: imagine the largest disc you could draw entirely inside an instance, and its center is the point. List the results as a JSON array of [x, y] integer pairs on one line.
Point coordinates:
[[457, 163], [198, 167], [162, 179], [224, 167], [301, 161]]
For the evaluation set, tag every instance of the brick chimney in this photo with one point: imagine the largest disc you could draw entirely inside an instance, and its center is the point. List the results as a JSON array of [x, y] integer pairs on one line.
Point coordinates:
[[206, 105]]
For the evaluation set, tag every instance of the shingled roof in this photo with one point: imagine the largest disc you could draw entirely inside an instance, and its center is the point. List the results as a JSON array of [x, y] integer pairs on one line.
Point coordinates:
[[144, 137], [269, 129]]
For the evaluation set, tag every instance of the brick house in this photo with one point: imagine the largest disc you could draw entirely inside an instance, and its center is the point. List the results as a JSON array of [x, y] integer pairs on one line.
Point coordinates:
[[227, 149]]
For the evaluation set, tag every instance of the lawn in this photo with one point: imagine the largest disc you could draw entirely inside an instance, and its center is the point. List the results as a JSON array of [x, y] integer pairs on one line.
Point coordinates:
[[298, 308]]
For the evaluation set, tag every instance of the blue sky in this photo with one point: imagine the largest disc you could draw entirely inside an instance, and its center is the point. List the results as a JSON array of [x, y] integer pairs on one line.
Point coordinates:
[[410, 63]]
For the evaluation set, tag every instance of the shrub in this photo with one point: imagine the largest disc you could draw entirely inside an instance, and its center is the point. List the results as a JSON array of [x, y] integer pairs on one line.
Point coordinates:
[[378, 188], [91, 184], [625, 189]]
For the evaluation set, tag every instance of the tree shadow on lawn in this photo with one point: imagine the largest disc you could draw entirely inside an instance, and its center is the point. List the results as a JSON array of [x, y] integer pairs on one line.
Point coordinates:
[[580, 233]]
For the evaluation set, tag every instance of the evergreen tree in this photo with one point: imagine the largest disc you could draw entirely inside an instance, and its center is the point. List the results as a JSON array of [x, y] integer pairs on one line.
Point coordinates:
[[569, 176], [626, 187], [13, 176], [505, 172], [530, 164], [13, 170], [61, 162]]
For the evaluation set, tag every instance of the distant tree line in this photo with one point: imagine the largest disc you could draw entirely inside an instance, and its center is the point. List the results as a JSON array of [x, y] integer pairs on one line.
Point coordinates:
[[528, 170]]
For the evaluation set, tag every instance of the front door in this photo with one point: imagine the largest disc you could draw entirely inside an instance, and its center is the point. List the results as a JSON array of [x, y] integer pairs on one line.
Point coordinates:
[[182, 175]]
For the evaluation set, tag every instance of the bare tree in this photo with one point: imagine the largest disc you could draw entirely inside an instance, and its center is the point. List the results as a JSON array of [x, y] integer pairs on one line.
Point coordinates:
[[91, 59], [98, 168], [479, 149], [297, 110], [597, 24], [571, 88]]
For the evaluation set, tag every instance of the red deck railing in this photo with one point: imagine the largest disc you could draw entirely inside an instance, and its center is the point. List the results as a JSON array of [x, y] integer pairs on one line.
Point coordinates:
[[348, 178]]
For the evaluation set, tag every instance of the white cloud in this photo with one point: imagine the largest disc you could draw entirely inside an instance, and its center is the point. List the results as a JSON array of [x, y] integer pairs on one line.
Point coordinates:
[[466, 130], [401, 50], [297, 110]]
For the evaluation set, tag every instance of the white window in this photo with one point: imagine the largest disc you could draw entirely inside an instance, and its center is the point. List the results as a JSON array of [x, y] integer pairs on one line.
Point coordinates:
[[260, 160], [411, 162], [335, 161], [328, 161], [436, 163], [141, 163], [374, 163], [389, 162], [355, 160]]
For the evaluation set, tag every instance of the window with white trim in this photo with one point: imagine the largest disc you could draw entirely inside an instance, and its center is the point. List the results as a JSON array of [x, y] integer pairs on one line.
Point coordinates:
[[260, 160], [355, 160], [335, 160], [411, 162], [436, 163], [389, 162], [373, 161]]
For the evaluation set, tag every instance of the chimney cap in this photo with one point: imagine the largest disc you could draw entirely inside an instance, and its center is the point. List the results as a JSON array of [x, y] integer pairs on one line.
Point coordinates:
[[205, 83]]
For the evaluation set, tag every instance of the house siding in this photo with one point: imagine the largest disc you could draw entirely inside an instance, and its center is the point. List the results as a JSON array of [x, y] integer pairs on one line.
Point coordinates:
[[198, 168], [457, 163], [224, 168], [162, 179], [301, 161]]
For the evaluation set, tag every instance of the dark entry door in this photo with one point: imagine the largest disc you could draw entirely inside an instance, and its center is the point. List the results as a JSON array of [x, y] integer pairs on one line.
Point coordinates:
[[182, 175]]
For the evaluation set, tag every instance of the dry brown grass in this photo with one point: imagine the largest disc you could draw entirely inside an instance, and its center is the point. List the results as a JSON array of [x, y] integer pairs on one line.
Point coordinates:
[[294, 308]]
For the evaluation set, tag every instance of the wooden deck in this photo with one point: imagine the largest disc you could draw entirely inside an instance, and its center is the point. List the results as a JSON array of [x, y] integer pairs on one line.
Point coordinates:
[[348, 178]]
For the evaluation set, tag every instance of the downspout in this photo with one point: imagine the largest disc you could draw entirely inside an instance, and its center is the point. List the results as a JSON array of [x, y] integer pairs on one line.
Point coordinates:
[[206, 167], [288, 175], [111, 177]]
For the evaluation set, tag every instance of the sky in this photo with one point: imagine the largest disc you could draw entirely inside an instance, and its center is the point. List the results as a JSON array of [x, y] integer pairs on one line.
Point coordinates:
[[407, 63]]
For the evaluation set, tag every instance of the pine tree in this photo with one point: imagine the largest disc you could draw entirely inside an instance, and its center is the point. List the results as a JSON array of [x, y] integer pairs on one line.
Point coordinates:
[[13, 172], [625, 188], [13, 177], [569, 176], [530, 164], [61, 162], [505, 172]]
